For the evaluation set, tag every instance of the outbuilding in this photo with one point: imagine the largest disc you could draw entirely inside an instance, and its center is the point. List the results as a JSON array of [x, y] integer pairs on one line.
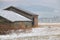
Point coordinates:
[[25, 13], [14, 18], [10, 20]]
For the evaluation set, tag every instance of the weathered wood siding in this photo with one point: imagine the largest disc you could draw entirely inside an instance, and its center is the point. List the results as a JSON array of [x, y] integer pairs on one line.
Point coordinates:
[[22, 24], [6, 26]]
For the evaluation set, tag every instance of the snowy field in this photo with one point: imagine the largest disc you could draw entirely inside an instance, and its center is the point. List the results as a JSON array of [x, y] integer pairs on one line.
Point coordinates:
[[42, 33]]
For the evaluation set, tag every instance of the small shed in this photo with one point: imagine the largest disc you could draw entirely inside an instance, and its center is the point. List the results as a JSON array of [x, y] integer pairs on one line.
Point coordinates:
[[10, 20]]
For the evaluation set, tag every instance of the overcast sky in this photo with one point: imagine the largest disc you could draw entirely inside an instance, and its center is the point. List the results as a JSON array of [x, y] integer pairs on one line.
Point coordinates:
[[45, 8]]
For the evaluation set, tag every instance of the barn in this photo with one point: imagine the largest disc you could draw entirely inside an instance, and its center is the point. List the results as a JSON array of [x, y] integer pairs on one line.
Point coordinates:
[[14, 18], [10, 20], [25, 13]]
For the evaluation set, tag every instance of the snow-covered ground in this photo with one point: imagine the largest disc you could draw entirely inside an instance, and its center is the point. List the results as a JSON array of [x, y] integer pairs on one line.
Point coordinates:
[[43, 31]]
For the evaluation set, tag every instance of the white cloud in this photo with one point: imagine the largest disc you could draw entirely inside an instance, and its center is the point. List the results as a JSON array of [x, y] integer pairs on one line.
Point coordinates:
[[56, 11], [48, 3], [8, 0]]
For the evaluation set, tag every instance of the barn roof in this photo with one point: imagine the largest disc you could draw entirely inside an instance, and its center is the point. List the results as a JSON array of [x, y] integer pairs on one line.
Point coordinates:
[[22, 10], [12, 16]]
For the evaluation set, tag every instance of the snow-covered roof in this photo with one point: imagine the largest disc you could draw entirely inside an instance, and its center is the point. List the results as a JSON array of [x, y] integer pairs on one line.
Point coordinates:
[[12, 16], [21, 9]]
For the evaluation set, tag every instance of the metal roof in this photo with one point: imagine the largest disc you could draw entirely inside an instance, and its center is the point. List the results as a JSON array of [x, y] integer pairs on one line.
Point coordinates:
[[29, 12], [21, 9], [12, 16]]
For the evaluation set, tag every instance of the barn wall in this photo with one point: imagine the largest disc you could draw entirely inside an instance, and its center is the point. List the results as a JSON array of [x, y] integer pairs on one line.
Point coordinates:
[[22, 25], [14, 26]]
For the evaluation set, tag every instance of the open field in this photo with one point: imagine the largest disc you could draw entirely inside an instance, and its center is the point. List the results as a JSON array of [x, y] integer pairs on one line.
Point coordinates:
[[41, 33], [52, 37], [49, 24]]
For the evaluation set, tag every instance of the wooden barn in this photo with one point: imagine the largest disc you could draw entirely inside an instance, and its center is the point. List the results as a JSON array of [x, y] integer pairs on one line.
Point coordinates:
[[10, 20], [25, 13], [14, 18]]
